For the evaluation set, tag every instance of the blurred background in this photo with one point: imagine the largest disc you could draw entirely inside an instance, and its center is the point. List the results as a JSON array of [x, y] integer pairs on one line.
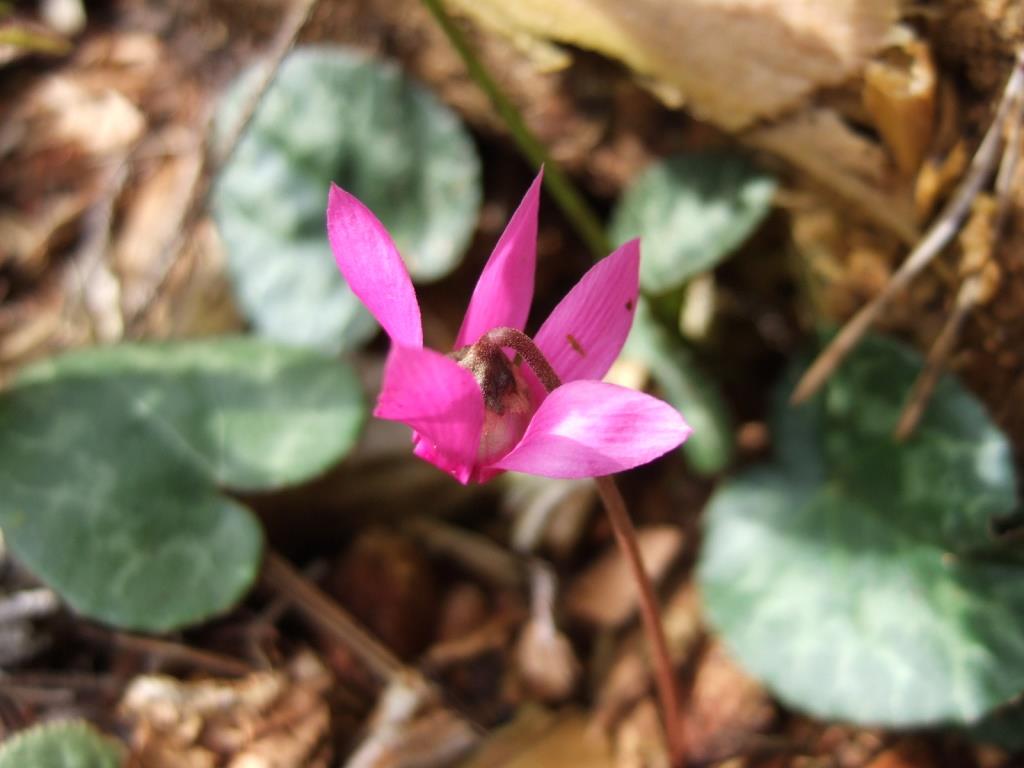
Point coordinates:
[[841, 581]]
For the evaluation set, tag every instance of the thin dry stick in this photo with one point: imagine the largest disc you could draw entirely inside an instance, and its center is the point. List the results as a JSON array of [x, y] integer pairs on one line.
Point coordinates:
[[168, 650], [938, 235], [325, 613], [650, 613], [97, 288], [971, 289], [215, 156]]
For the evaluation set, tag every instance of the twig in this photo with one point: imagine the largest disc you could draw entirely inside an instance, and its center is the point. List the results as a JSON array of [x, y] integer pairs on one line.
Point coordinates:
[[168, 650], [216, 157], [650, 613], [77, 682], [325, 613], [572, 203], [971, 289], [272, 614], [294, 23], [935, 239], [97, 288], [37, 697], [942, 348]]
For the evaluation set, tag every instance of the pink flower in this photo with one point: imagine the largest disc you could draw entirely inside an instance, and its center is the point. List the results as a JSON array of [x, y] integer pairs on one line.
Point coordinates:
[[476, 412]]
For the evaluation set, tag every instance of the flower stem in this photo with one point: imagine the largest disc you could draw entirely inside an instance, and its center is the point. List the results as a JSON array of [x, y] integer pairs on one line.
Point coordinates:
[[572, 203], [625, 538], [522, 344], [650, 613]]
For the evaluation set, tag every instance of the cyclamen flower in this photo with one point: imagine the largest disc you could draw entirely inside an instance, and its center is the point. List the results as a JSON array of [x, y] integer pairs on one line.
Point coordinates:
[[482, 409]]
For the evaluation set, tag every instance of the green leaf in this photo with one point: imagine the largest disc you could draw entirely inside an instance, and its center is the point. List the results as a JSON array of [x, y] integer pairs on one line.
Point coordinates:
[[112, 462], [856, 575], [692, 210], [60, 745], [333, 114], [686, 386]]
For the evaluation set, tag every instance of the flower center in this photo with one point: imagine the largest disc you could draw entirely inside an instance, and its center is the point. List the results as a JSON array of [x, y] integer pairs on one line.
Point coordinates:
[[507, 402]]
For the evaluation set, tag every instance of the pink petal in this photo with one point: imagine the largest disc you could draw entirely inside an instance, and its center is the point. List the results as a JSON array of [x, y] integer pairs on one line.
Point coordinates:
[[440, 400], [373, 268], [504, 291], [585, 332], [591, 428]]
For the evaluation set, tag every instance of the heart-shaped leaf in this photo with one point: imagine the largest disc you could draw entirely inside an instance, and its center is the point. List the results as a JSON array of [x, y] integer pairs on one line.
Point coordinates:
[[692, 211], [856, 575], [112, 462], [685, 384], [333, 114], [60, 745]]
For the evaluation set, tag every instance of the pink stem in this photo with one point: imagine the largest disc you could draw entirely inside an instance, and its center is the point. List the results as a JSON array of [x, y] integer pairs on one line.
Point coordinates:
[[650, 614], [625, 538]]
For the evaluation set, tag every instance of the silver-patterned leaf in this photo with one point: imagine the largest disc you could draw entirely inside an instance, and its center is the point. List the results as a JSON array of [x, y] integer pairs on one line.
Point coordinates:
[[334, 114], [856, 575], [692, 210], [112, 462]]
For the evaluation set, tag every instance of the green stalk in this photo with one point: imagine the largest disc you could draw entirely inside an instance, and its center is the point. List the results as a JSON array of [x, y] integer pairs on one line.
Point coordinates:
[[572, 203]]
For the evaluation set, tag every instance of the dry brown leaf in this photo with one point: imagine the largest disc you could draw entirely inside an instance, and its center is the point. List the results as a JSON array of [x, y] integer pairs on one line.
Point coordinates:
[[900, 94], [388, 583], [731, 61], [819, 143], [463, 609], [59, 145], [725, 707], [474, 669], [196, 299], [27, 239], [151, 224], [937, 177], [845, 264], [135, 63], [604, 594], [96, 118], [640, 739], [982, 35], [538, 738], [908, 753]]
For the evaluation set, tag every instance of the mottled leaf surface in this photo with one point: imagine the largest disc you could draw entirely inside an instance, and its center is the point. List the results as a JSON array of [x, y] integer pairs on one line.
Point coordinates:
[[333, 114], [112, 462], [691, 211], [855, 575], [60, 745]]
